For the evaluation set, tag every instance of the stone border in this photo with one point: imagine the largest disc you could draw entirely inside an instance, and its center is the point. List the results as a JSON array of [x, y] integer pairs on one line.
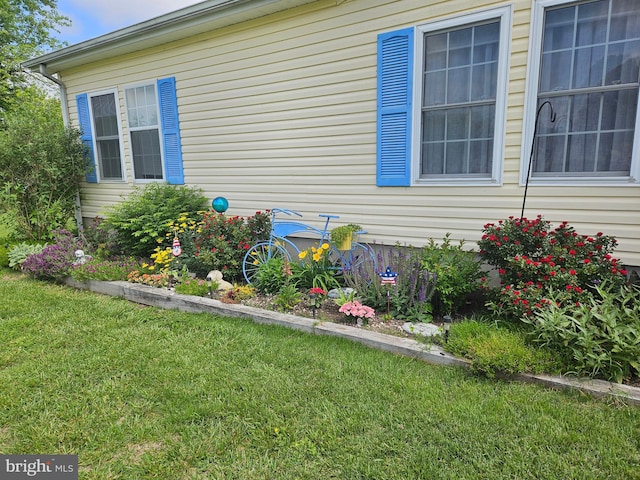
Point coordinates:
[[162, 298]]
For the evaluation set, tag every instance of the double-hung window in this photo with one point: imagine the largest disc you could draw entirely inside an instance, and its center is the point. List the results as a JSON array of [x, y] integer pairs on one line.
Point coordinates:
[[144, 131], [586, 73], [104, 109], [447, 125]]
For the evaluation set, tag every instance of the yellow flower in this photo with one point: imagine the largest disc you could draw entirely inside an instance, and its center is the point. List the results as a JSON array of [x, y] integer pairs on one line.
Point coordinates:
[[316, 257], [151, 267], [325, 246], [302, 254]]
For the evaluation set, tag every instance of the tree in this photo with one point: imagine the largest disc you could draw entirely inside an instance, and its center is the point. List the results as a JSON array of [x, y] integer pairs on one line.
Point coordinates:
[[25, 31], [41, 166]]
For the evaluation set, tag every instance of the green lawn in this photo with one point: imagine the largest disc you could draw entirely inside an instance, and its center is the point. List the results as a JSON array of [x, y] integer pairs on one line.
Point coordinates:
[[141, 393]]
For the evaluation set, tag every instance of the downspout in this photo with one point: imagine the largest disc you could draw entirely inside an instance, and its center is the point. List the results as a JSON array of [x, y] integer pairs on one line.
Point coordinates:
[[67, 123]]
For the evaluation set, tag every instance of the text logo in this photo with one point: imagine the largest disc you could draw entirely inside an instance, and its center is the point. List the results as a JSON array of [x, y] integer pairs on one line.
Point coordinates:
[[44, 467]]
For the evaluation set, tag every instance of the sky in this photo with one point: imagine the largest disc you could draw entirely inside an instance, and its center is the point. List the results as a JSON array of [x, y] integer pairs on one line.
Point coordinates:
[[92, 18]]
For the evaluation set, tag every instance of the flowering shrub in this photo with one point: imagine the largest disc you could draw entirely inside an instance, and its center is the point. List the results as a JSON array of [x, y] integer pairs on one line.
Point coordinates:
[[537, 264], [221, 242], [54, 261], [314, 269], [357, 310]]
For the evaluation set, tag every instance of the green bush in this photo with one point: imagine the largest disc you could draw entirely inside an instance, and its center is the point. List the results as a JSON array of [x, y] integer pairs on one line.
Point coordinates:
[[41, 166], [535, 262], [101, 240], [497, 350], [271, 276], [457, 274], [598, 338], [143, 217]]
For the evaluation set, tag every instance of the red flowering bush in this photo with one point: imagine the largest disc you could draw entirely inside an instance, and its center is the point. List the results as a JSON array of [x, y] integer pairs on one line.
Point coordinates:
[[536, 263], [222, 241]]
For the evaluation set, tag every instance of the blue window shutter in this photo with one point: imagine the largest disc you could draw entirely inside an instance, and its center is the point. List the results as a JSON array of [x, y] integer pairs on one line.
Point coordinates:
[[84, 119], [174, 172], [395, 92]]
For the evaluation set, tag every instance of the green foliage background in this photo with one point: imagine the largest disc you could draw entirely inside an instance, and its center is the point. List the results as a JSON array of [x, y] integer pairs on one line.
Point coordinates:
[[41, 166]]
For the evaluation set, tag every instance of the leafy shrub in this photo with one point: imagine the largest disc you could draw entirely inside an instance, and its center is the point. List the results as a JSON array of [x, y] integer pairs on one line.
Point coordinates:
[[288, 297], [55, 261], [41, 166], [19, 253], [144, 216], [272, 275], [222, 241], [457, 274], [410, 298], [105, 270], [598, 338], [534, 261], [496, 350], [100, 239]]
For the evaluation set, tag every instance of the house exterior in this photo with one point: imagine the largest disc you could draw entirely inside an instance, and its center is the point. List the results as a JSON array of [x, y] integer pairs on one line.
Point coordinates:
[[412, 118]]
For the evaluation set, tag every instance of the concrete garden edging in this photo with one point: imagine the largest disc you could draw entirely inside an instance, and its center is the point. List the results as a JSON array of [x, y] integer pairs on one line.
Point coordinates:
[[162, 298]]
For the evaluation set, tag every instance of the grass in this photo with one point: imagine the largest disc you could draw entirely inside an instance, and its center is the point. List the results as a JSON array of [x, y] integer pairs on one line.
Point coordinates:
[[140, 393]]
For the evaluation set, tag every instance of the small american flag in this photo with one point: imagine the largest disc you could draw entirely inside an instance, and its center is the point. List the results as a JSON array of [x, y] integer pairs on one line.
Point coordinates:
[[388, 277]]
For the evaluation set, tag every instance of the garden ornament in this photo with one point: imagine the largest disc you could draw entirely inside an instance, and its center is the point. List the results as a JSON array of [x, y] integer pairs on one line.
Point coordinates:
[[216, 276]]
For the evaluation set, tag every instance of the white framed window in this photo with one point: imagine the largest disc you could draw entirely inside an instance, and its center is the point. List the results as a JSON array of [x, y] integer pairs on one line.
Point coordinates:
[[105, 119], [460, 89], [144, 131], [585, 68]]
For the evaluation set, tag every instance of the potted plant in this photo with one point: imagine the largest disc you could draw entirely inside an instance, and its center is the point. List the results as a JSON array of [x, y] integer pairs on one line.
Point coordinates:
[[342, 236]]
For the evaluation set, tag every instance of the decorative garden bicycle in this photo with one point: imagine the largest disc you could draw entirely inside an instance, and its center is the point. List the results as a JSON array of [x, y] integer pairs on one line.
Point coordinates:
[[281, 245]]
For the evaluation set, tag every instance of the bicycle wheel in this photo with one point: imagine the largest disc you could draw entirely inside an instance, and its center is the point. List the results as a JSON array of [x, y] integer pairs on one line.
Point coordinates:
[[259, 254], [352, 260]]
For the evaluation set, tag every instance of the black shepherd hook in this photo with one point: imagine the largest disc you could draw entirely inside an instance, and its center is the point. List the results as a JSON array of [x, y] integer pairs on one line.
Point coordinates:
[[552, 118]]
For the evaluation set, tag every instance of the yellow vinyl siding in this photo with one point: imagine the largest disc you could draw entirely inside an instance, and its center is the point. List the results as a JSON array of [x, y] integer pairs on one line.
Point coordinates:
[[281, 111]]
